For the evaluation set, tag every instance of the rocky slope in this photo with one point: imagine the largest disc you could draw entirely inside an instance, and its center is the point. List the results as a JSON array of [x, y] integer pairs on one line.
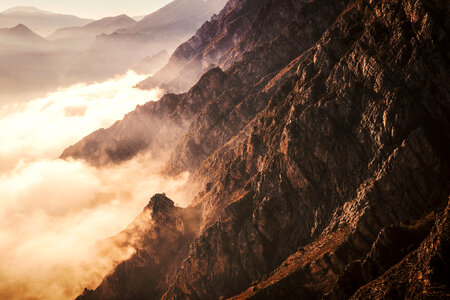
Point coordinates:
[[155, 125], [337, 185]]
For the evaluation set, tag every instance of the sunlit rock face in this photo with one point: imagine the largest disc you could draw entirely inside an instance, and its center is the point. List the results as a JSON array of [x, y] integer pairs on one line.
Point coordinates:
[[323, 176]]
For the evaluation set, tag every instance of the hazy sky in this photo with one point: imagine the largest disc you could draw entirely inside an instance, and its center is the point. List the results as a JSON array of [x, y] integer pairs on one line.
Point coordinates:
[[90, 8]]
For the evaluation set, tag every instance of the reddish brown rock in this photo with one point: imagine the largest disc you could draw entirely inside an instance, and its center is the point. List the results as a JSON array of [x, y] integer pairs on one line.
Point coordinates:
[[339, 186]]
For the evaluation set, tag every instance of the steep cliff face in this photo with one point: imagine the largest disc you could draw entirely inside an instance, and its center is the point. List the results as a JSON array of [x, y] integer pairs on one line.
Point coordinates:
[[337, 188], [224, 117]]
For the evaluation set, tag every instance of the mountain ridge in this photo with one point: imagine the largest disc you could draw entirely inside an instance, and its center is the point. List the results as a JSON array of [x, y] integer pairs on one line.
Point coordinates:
[[318, 159], [42, 22], [86, 34]]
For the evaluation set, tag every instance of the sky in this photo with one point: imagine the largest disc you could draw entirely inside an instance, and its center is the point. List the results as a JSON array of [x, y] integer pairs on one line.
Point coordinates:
[[91, 9]]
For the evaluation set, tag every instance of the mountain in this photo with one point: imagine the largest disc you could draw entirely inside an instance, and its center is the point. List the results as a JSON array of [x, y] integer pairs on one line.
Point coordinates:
[[162, 30], [21, 36], [24, 57], [42, 22], [319, 160], [84, 36], [248, 106], [163, 230]]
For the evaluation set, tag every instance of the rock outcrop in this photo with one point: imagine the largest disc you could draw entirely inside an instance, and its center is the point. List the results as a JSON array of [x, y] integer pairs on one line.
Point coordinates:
[[336, 185], [161, 235]]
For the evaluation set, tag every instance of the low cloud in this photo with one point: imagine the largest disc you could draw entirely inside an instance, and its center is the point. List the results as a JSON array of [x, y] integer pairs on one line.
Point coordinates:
[[44, 127], [53, 212]]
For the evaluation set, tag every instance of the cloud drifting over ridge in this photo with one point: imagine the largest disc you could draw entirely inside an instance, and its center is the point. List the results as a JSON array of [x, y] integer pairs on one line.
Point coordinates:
[[44, 127], [52, 211]]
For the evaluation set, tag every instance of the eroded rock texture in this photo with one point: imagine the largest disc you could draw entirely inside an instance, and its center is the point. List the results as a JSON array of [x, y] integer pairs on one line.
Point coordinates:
[[325, 176]]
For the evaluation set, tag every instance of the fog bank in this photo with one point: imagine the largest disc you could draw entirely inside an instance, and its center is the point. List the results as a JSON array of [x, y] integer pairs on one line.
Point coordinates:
[[52, 212]]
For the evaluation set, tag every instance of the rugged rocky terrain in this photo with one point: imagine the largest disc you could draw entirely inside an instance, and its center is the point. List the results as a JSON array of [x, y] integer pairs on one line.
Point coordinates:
[[319, 159], [162, 233]]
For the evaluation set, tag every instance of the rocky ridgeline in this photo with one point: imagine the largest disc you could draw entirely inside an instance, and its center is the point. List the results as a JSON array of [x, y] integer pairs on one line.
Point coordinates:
[[327, 177], [155, 125]]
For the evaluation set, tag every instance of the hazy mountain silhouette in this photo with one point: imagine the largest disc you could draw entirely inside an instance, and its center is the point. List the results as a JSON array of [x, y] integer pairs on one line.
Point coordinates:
[[83, 36], [21, 35], [164, 29], [40, 21]]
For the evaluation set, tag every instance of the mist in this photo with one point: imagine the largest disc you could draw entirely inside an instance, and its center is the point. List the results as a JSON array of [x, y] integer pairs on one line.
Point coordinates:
[[53, 212]]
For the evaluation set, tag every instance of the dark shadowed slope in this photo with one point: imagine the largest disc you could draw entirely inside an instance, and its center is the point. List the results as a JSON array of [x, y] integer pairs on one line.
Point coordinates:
[[160, 235]]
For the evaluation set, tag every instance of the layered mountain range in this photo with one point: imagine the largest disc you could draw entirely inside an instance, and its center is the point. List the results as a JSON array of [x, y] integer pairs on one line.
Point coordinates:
[[41, 21], [21, 36], [163, 29], [317, 138], [81, 50]]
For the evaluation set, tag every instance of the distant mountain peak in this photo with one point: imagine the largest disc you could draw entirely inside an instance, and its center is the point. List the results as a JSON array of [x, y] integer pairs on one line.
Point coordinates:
[[21, 34], [26, 9], [21, 29]]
